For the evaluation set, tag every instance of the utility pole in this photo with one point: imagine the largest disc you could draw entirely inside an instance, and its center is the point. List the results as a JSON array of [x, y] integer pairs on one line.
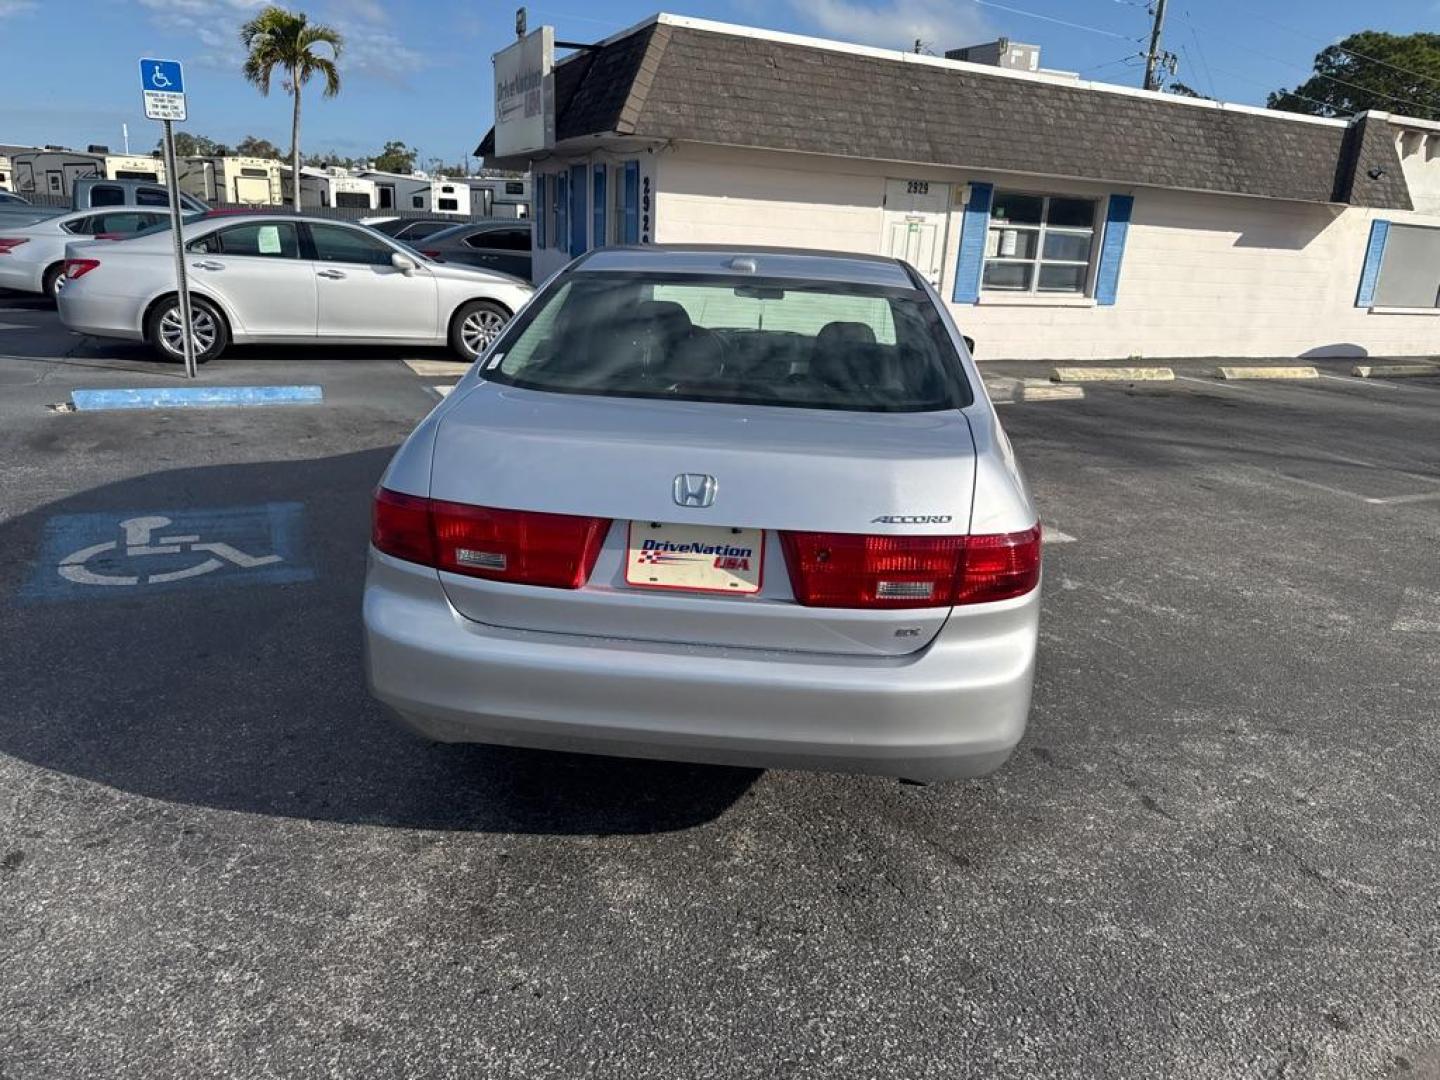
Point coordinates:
[[1155, 56]]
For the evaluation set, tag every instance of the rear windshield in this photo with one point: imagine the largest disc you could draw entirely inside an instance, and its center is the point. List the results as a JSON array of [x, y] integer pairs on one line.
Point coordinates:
[[751, 341]]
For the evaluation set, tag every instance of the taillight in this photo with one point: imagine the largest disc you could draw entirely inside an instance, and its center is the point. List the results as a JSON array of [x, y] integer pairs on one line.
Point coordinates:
[[400, 526], [78, 268], [852, 570], [557, 551], [10, 243], [430, 254], [999, 567]]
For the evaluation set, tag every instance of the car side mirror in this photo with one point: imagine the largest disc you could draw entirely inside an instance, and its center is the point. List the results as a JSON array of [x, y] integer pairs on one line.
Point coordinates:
[[969, 343], [403, 263]]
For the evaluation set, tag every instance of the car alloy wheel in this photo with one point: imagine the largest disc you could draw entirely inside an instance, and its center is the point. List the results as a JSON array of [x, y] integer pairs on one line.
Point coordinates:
[[202, 328], [480, 328]]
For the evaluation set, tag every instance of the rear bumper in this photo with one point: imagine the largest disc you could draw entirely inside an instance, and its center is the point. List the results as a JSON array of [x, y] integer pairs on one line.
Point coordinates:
[[954, 709], [98, 314], [18, 275]]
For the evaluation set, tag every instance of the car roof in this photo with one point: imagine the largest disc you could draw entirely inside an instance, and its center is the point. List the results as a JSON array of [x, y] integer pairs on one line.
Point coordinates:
[[758, 261]]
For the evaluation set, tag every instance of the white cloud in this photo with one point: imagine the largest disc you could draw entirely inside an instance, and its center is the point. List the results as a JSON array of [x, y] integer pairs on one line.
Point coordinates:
[[372, 49], [16, 7], [896, 24], [215, 24]]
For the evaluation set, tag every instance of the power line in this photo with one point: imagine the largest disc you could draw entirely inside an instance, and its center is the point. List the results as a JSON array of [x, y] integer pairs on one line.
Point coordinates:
[[1051, 19], [1335, 79], [1130, 58], [1204, 64], [1335, 44], [1339, 113]]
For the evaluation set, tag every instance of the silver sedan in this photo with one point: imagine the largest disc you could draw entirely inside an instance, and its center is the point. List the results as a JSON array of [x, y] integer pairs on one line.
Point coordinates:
[[282, 279], [746, 506]]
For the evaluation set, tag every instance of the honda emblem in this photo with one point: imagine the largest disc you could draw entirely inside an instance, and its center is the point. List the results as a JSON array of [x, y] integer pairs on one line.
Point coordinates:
[[695, 490]]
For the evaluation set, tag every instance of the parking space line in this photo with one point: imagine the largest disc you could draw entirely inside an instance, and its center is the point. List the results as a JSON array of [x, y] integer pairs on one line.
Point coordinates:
[[1368, 382], [1052, 535], [1220, 385]]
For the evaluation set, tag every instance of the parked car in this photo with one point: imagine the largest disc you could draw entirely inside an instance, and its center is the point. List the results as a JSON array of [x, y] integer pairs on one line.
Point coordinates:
[[32, 256], [408, 229], [16, 211], [282, 278], [490, 245], [96, 191], [748, 506]]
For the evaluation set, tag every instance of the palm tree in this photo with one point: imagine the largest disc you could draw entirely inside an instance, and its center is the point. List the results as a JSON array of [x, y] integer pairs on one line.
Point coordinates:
[[277, 38]]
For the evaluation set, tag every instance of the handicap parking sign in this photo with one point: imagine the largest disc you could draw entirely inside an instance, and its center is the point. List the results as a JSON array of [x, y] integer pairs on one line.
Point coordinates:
[[94, 556], [162, 83]]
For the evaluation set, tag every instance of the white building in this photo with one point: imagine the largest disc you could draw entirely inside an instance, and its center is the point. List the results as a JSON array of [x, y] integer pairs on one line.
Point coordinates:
[[419, 191], [249, 181], [332, 186], [1059, 218], [6, 173]]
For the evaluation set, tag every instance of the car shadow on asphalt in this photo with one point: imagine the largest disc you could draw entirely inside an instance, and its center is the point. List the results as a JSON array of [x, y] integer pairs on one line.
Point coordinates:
[[247, 693]]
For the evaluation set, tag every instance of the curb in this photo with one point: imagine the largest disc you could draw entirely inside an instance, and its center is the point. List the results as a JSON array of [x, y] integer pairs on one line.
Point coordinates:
[[1392, 371], [1112, 374], [195, 397], [1269, 373]]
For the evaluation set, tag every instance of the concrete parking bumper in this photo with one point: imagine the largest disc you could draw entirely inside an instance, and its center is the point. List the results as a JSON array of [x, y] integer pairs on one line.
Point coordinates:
[[1112, 374], [1271, 371], [1394, 371]]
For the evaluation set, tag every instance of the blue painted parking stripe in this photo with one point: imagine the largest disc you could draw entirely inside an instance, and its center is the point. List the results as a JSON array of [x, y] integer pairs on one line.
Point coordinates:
[[195, 397]]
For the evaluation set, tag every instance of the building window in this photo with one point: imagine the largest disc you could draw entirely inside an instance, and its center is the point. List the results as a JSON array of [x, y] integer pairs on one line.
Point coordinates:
[[417, 202], [1410, 270], [447, 204], [514, 187], [1039, 243]]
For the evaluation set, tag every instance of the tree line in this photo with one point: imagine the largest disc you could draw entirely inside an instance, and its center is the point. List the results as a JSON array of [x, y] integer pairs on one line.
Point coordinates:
[[394, 156]]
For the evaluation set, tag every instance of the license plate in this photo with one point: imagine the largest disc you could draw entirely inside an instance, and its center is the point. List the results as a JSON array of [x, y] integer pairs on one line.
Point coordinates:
[[699, 558]]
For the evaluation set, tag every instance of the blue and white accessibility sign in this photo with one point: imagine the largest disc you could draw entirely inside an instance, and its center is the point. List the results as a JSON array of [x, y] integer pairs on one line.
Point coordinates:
[[163, 85]]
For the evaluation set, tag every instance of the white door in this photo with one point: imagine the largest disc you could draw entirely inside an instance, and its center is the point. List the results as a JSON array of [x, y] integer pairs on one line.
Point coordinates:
[[360, 294], [916, 215], [257, 270]]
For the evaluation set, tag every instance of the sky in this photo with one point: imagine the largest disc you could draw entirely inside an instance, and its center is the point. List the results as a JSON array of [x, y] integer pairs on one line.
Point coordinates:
[[419, 70]]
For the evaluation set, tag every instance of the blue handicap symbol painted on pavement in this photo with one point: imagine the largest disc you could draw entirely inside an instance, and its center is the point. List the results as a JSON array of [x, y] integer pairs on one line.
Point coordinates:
[[137, 553], [162, 75]]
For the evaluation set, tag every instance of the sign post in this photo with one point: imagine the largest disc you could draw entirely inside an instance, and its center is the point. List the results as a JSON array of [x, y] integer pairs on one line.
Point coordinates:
[[162, 82]]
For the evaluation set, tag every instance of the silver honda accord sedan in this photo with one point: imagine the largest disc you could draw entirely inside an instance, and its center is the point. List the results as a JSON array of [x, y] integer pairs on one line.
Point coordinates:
[[745, 506]]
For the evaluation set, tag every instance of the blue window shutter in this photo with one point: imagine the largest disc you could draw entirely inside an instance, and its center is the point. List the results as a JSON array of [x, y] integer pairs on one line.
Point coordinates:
[[632, 202], [597, 205], [578, 220], [1112, 248], [1374, 253], [539, 211], [562, 212], [974, 224]]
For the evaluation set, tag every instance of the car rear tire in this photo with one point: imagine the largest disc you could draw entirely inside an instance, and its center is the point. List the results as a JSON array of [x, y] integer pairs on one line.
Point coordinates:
[[163, 330], [50, 283], [476, 324]]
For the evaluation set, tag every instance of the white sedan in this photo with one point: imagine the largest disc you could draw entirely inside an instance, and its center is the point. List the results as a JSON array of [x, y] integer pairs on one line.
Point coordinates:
[[32, 255], [283, 279]]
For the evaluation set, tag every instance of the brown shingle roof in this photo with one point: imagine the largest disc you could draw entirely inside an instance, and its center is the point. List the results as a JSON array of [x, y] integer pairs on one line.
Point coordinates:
[[699, 85]]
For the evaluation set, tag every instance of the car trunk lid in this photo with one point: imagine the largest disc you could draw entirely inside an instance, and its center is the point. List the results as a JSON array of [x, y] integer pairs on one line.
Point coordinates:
[[773, 469]]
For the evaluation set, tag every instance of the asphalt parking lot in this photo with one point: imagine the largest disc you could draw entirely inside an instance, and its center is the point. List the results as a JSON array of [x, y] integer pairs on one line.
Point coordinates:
[[1216, 854]]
